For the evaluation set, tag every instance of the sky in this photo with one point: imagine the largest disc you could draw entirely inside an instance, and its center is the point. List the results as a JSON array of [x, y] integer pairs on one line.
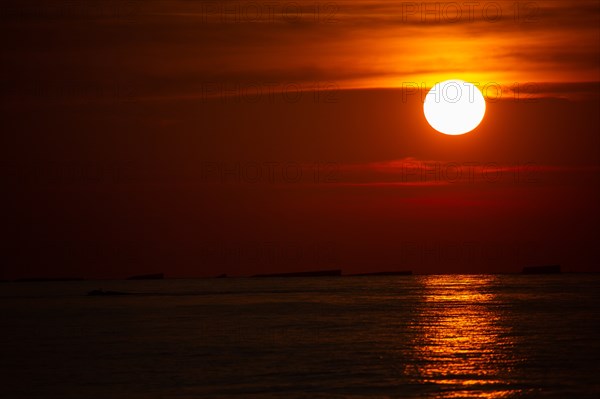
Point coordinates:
[[197, 138]]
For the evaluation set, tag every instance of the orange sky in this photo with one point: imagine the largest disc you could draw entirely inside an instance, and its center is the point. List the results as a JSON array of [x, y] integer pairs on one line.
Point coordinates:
[[167, 136]]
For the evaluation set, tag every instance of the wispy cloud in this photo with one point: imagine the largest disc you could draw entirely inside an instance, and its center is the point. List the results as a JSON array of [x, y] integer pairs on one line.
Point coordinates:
[[413, 172], [171, 48]]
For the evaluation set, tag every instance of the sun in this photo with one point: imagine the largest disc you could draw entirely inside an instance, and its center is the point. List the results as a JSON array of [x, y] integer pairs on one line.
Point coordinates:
[[454, 107]]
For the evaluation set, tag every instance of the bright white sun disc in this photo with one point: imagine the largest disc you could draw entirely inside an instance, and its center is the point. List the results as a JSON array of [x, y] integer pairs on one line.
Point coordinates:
[[454, 107]]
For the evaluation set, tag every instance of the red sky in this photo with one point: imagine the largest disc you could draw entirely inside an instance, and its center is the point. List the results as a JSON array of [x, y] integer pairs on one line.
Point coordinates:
[[187, 138]]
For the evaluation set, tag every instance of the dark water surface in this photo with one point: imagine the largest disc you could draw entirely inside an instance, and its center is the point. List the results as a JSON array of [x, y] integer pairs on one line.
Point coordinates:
[[362, 337]]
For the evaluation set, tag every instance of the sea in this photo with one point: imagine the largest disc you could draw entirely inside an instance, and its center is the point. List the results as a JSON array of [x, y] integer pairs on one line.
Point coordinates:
[[420, 336]]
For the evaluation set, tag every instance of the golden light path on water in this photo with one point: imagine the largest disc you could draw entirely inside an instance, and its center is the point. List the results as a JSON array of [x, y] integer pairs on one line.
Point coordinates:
[[464, 341]]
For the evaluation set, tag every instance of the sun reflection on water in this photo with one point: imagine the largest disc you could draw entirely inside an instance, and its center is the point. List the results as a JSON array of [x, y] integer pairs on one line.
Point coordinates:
[[464, 348]]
